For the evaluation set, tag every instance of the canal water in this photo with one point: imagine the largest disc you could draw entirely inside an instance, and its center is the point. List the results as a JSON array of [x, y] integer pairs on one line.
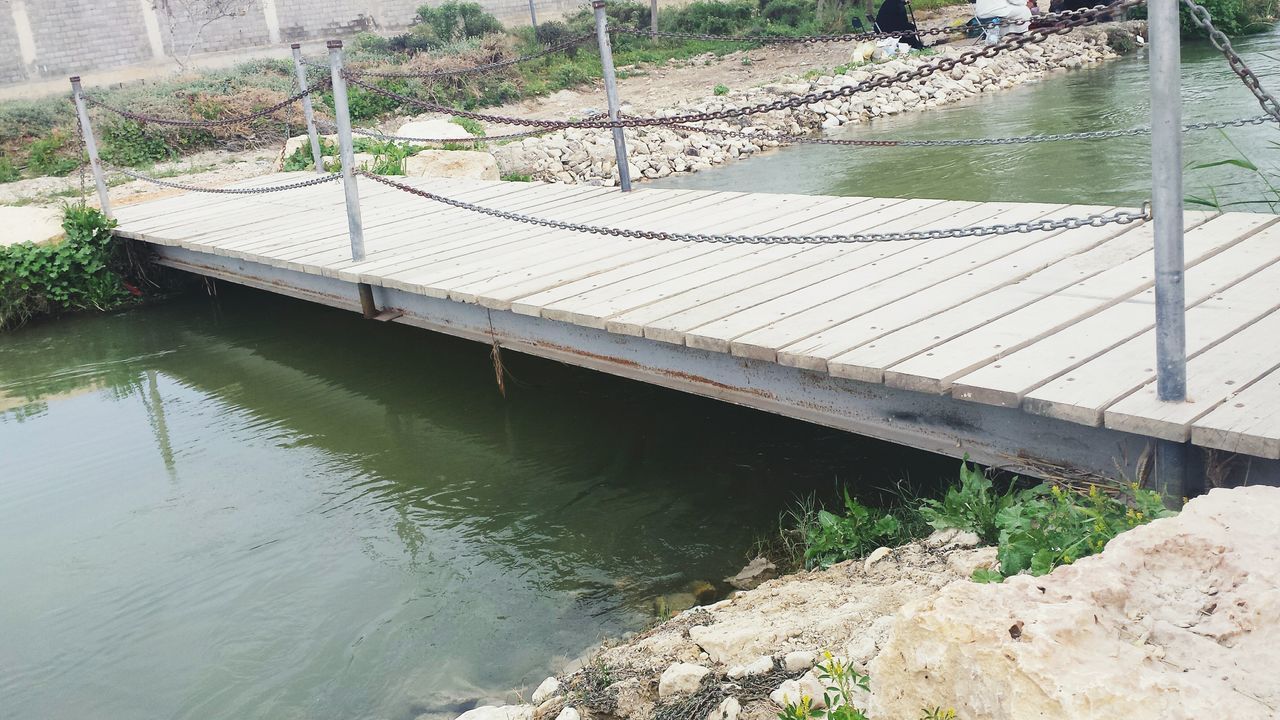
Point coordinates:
[[1110, 96], [252, 507], [248, 507]]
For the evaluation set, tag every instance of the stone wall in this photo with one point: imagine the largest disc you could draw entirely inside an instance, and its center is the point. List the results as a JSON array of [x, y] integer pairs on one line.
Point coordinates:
[[51, 38]]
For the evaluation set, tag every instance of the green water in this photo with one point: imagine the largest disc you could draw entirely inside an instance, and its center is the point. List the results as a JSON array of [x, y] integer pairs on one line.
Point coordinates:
[[252, 507], [1110, 96]]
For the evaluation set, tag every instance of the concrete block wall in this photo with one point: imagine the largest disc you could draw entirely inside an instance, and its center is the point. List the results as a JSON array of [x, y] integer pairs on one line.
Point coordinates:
[[50, 38]]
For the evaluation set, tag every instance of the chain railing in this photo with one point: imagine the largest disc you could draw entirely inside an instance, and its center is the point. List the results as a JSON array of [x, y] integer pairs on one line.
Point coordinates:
[[1069, 21], [318, 180], [1068, 223], [786, 138], [807, 39], [473, 139], [202, 123], [1200, 16]]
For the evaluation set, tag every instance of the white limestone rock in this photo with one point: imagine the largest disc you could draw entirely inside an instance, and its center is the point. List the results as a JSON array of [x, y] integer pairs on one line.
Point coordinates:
[[433, 128], [1175, 620], [453, 164], [545, 690], [569, 713], [728, 709], [494, 712], [680, 679], [759, 666], [799, 660]]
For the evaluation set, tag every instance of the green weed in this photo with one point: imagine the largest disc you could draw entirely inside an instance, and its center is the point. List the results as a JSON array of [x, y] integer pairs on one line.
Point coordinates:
[[49, 156], [973, 505], [721, 90], [517, 177], [835, 538], [471, 126], [8, 173]]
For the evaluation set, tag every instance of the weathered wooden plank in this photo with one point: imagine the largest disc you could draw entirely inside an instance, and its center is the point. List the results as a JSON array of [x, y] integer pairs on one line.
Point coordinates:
[[763, 215], [1212, 377], [826, 303], [1008, 379], [933, 371], [815, 352], [1248, 422]]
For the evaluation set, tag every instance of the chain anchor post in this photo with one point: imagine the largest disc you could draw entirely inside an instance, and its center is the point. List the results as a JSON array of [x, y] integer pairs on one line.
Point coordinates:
[[342, 114], [300, 68], [1166, 209], [653, 16], [611, 92], [90, 145], [533, 19]]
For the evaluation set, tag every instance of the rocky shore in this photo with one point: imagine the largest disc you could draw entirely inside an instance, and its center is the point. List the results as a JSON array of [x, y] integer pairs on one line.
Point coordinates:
[[1176, 619], [587, 156]]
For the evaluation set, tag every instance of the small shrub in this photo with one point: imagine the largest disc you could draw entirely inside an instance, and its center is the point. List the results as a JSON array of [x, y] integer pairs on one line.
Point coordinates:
[[721, 90], [125, 142], [713, 16], [300, 158], [78, 273], [456, 20], [517, 177], [49, 156], [972, 506], [835, 538], [791, 13], [471, 126], [8, 173], [553, 32]]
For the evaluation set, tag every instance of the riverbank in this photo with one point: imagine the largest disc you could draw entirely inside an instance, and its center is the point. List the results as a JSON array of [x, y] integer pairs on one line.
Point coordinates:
[[587, 156], [1170, 621]]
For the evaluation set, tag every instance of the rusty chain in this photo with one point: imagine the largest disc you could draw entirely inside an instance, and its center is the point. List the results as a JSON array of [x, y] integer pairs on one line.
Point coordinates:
[[427, 75], [1070, 21], [1200, 16], [84, 154], [963, 142], [379, 135], [1095, 220], [258, 114], [803, 39], [318, 180]]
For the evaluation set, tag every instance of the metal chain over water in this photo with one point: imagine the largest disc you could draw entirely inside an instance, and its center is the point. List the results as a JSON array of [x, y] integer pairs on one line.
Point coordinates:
[[1200, 16], [318, 180], [963, 142], [264, 112], [1096, 220], [427, 75], [1070, 21]]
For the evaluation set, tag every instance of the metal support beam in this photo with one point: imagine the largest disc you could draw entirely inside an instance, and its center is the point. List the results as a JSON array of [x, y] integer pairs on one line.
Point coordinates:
[[301, 69], [1166, 198], [368, 307], [1171, 472], [611, 92], [90, 145], [347, 151]]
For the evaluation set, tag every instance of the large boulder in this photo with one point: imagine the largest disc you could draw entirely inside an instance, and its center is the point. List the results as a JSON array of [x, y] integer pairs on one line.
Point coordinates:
[[1177, 619], [453, 164], [493, 712], [433, 128]]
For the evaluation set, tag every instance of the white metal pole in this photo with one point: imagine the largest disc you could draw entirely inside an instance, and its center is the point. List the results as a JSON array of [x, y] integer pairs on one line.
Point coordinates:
[[611, 92], [653, 15], [91, 146], [346, 150], [1166, 208], [301, 69], [533, 18]]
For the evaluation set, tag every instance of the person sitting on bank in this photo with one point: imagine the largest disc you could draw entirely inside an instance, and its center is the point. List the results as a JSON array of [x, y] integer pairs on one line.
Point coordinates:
[[1014, 15]]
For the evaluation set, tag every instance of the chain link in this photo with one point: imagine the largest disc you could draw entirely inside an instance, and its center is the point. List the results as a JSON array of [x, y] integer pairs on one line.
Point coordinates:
[[428, 75], [1070, 21], [318, 180], [1096, 220], [964, 142], [379, 135], [84, 154], [1200, 16], [264, 112]]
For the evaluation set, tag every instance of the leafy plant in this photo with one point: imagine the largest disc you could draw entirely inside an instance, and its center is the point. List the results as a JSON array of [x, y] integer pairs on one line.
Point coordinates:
[[472, 126], [721, 90], [454, 20], [972, 506], [388, 155], [48, 156], [859, 531], [125, 142], [300, 158], [517, 177], [8, 173], [841, 681], [938, 713], [79, 272]]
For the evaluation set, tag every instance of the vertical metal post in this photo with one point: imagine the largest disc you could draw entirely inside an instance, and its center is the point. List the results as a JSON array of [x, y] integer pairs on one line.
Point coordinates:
[[90, 145], [653, 15], [1166, 198], [346, 150], [307, 112], [611, 92], [533, 18], [1166, 208]]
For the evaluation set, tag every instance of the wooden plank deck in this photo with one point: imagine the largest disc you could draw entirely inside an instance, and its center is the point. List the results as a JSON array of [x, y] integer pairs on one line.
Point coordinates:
[[1059, 324]]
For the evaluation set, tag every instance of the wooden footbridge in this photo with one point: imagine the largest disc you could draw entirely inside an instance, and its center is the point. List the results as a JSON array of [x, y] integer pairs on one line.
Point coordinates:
[[1058, 340], [1034, 350]]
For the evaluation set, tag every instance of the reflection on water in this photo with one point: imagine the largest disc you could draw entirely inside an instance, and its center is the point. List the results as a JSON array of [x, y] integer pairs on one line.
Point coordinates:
[[257, 508], [1110, 96]]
